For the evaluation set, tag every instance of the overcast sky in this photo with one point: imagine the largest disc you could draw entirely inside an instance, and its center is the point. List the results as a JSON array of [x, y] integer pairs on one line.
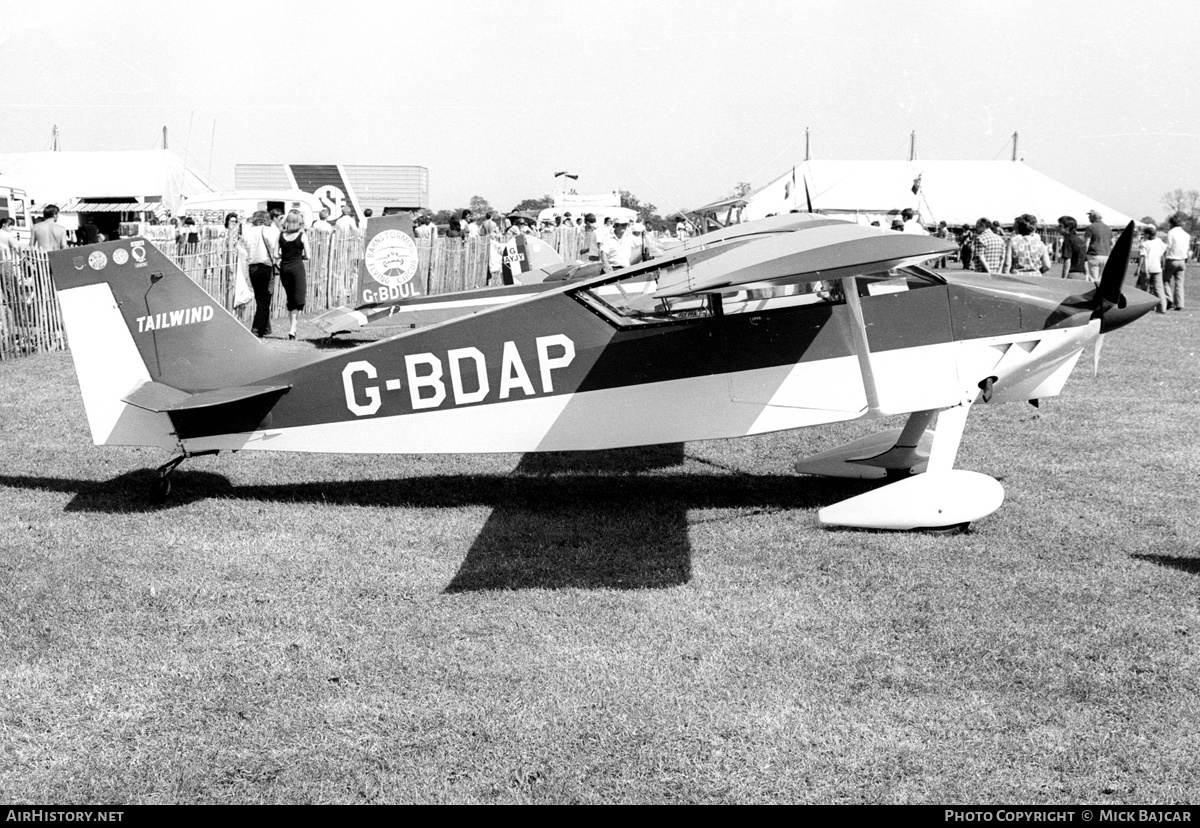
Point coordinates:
[[674, 101]]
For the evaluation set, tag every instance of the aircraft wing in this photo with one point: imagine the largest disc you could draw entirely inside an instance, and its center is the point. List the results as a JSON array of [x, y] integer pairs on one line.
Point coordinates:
[[827, 251], [428, 309]]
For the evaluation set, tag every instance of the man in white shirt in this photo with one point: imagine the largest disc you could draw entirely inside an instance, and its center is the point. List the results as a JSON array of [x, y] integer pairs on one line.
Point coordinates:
[[616, 250], [1175, 263], [322, 225], [345, 223], [261, 242], [1150, 266], [911, 225]]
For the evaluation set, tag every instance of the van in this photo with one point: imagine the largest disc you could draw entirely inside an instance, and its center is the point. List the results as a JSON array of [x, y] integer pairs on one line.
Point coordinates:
[[211, 208], [14, 204]]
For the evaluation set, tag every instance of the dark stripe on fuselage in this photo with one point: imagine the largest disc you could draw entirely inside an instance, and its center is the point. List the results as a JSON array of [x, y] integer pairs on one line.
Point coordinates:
[[606, 356]]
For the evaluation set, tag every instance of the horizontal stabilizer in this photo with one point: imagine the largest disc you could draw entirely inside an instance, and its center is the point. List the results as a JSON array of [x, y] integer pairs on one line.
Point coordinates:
[[221, 411], [340, 320], [154, 396]]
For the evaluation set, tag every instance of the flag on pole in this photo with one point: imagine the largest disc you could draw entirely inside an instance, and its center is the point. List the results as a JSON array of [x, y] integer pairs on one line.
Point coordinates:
[[916, 187]]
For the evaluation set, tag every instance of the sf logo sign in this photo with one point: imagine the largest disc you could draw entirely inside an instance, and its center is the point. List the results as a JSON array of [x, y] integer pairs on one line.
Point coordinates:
[[332, 198]]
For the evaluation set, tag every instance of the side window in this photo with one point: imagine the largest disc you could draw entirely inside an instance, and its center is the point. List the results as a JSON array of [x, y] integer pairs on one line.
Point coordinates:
[[630, 300], [757, 300], [898, 280]]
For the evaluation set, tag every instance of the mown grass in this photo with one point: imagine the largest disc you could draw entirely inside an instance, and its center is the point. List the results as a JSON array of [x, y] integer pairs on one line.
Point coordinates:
[[658, 625]]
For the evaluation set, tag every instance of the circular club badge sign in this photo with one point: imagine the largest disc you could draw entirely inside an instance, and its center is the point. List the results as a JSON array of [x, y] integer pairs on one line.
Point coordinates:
[[391, 258]]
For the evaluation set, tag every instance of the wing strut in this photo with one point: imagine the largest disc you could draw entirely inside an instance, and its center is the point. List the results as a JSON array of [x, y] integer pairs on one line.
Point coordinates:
[[858, 329]]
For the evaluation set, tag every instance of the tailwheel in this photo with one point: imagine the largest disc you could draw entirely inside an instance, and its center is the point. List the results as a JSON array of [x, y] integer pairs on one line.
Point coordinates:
[[160, 490]]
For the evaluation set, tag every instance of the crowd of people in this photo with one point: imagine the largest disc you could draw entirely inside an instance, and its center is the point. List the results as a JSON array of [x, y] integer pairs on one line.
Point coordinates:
[[987, 247], [614, 242], [272, 243], [275, 244]]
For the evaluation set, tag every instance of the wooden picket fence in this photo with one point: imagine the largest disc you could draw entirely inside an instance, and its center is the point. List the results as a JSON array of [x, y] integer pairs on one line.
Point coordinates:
[[31, 322], [30, 319]]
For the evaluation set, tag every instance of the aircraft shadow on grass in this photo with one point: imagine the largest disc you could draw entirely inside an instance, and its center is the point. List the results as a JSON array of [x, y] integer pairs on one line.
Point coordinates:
[[591, 519], [1183, 564]]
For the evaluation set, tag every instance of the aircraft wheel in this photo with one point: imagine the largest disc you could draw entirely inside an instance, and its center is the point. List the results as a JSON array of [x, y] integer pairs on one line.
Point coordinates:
[[160, 489]]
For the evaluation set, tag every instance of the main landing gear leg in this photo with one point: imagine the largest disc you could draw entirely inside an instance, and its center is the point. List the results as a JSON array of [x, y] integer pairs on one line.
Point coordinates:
[[941, 499]]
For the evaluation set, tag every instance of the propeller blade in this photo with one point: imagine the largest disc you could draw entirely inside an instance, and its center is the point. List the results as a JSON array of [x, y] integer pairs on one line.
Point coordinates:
[[1108, 293], [807, 195], [1096, 355]]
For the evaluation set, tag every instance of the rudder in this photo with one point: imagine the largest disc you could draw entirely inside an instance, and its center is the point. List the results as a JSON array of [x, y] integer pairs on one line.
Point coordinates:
[[132, 317]]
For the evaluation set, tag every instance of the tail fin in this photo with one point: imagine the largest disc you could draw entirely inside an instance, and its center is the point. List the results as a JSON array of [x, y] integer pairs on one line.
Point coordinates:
[[132, 317], [525, 254]]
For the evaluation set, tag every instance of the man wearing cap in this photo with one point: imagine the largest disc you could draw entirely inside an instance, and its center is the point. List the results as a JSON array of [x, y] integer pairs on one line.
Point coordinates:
[[616, 250], [644, 247], [1098, 238]]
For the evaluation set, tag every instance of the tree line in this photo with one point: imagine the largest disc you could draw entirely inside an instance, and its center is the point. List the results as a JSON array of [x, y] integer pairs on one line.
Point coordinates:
[[1182, 203]]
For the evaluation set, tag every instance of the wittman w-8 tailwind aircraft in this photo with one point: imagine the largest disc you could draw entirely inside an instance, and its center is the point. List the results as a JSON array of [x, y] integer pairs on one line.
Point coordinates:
[[783, 323]]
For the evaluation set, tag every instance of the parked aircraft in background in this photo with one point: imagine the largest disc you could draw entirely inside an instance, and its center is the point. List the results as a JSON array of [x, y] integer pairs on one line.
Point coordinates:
[[530, 266], [783, 323]]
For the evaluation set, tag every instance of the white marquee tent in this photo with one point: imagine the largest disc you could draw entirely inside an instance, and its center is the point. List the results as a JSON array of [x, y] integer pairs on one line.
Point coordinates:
[[956, 192], [99, 176]]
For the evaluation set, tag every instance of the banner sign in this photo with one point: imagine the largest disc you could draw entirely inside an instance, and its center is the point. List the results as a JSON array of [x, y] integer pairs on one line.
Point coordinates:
[[575, 200], [389, 263], [325, 181]]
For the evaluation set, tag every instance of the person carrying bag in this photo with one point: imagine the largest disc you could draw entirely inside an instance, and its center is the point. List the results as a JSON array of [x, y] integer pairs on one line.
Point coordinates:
[[261, 244]]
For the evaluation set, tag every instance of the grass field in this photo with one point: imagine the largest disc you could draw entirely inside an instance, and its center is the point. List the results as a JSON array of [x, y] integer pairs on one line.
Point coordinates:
[[660, 625]]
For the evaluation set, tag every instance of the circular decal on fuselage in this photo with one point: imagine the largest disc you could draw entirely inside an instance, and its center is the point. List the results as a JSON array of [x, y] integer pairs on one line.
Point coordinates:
[[98, 260], [391, 258], [120, 257]]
